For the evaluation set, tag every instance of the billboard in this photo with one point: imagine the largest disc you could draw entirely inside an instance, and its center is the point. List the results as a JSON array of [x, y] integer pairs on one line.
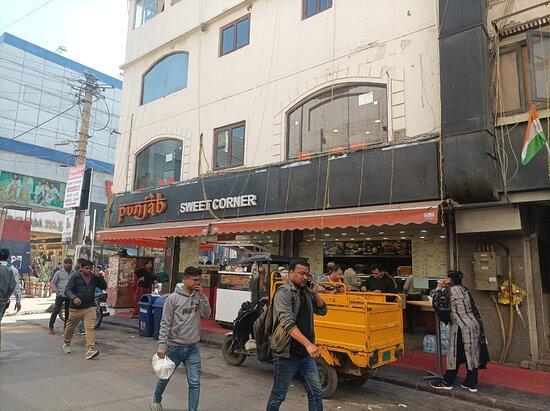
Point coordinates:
[[31, 191], [74, 186]]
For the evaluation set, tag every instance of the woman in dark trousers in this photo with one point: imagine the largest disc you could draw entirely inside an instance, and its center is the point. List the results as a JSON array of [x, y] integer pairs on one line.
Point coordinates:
[[452, 301]]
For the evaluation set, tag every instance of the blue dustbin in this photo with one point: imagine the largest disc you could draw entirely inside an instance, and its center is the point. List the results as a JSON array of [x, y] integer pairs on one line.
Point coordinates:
[[146, 320], [158, 306]]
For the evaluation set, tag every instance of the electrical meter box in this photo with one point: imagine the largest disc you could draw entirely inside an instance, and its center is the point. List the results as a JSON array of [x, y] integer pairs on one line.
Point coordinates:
[[488, 266]]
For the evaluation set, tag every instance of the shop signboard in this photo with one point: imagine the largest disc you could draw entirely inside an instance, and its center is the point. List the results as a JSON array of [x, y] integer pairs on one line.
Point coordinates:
[[30, 191], [293, 187], [74, 187], [68, 226]]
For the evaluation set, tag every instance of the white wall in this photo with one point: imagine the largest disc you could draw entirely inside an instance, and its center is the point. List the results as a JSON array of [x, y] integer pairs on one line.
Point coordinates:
[[392, 42]]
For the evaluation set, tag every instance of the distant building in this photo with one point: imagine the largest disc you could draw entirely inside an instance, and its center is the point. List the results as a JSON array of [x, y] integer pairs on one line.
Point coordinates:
[[36, 85]]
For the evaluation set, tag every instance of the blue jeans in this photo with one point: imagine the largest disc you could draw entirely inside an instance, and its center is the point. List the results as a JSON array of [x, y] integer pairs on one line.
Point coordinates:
[[190, 356], [285, 370]]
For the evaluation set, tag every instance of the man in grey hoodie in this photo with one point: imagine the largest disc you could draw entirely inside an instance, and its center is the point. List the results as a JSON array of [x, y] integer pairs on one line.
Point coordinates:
[[180, 333]]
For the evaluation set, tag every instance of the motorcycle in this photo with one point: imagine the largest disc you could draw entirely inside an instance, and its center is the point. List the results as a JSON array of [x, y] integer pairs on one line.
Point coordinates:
[[240, 343], [100, 304]]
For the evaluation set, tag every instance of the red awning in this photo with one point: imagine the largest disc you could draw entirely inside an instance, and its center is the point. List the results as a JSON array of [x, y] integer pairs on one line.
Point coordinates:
[[410, 213]]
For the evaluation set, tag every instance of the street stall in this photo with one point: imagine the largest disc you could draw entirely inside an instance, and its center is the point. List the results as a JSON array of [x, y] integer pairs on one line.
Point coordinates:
[[241, 283], [120, 279]]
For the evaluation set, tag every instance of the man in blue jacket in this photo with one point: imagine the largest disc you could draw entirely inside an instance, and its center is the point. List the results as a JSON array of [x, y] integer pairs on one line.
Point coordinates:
[[81, 293]]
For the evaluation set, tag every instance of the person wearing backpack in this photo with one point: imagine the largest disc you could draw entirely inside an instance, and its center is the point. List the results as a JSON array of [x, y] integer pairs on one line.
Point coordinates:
[[292, 342]]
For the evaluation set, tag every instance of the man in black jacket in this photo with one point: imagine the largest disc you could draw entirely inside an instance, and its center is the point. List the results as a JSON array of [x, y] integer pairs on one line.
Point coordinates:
[[81, 292], [293, 340], [380, 282]]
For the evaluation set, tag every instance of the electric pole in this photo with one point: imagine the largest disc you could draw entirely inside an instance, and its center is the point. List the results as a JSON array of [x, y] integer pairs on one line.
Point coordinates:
[[91, 87]]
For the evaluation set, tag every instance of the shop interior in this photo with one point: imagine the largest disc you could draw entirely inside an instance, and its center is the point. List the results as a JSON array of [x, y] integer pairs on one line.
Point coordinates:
[[420, 251]]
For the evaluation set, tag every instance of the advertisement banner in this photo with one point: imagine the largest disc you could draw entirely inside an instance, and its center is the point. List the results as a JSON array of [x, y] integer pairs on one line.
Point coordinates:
[[74, 186], [68, 226], [31, 191]]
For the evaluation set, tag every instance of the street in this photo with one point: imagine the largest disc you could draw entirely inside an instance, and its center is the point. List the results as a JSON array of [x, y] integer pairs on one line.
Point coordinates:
[[36, 375]]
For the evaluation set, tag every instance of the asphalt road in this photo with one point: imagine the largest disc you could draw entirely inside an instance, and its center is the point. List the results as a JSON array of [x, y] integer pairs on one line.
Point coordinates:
[[36, 375]]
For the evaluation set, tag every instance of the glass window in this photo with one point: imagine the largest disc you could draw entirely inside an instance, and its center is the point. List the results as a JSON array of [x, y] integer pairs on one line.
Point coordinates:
[[344, 117], [235, 35], [509, 91], [227, 39], [243, 32], [145, 10], [158, 164], [312, 7], [165, 77], [539, 43], [229, 146]]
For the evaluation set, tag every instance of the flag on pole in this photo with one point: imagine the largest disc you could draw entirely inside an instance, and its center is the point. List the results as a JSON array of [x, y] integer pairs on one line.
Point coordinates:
[[534, 139]]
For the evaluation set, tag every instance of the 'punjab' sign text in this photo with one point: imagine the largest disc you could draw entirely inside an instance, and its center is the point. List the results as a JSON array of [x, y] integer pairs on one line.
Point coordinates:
[[151, 206]]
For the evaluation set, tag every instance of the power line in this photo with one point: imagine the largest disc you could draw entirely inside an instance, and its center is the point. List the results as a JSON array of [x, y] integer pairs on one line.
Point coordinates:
[[41, 124], [26, 15]]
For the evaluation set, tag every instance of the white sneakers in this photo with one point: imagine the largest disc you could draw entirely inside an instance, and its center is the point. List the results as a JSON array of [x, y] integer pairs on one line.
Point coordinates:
[[91, 353], [155, 406], [471, 389]]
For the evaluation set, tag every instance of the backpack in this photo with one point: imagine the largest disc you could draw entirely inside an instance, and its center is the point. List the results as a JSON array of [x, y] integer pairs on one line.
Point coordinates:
[[263, 328]]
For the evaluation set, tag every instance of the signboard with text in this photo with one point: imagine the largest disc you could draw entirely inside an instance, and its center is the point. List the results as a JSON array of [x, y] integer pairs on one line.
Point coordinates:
[[73, 191], [68, 226], [300, 186]]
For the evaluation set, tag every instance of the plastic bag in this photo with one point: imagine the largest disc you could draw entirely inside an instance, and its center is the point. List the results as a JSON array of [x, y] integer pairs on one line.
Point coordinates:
[[164, 367]]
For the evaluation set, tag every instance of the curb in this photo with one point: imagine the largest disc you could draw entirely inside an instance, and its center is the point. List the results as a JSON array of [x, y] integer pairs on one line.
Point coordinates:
[[463, 396]]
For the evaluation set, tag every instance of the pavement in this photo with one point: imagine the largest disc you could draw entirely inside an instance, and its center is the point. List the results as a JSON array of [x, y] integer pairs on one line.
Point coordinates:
[[534, 392], [36, 375]]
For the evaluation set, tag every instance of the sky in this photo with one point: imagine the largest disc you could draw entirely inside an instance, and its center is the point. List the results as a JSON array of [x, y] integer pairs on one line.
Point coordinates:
[[92, 31]]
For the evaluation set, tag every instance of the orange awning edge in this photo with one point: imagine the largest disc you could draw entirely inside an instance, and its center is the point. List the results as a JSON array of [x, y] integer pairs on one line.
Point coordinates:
[[427, 212]]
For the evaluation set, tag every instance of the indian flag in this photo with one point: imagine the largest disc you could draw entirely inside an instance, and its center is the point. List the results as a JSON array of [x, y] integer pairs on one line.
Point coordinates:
[[534, 137]]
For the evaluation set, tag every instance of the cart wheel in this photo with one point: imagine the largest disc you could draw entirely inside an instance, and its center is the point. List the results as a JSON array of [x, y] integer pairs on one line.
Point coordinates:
[[228, 355], [328, 377], [357, 381]]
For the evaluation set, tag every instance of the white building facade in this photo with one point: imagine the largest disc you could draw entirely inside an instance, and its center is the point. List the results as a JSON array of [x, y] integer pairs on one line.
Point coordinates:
[[253, 83]]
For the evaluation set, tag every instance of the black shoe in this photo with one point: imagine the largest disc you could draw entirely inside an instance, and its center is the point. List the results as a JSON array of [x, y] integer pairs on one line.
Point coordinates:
[[441, 385], [471, 389]]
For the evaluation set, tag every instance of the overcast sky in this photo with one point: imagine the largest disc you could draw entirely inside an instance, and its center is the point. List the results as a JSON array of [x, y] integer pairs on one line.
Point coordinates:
[[92, 31]]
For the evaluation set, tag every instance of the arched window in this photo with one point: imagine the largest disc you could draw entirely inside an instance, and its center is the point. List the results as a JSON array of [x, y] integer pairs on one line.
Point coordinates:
[[158, 164], [167, 76], [346, 116]]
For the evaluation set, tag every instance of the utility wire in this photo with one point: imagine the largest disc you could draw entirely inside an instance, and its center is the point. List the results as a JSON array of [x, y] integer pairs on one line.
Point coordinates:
[[26, 15], [41, 124]]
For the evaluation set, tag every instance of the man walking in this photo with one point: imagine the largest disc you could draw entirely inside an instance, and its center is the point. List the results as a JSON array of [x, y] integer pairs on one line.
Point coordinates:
[[59, 284], [81, 293], [179, 334], [76, 269], [8, 285], [293, 339]]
